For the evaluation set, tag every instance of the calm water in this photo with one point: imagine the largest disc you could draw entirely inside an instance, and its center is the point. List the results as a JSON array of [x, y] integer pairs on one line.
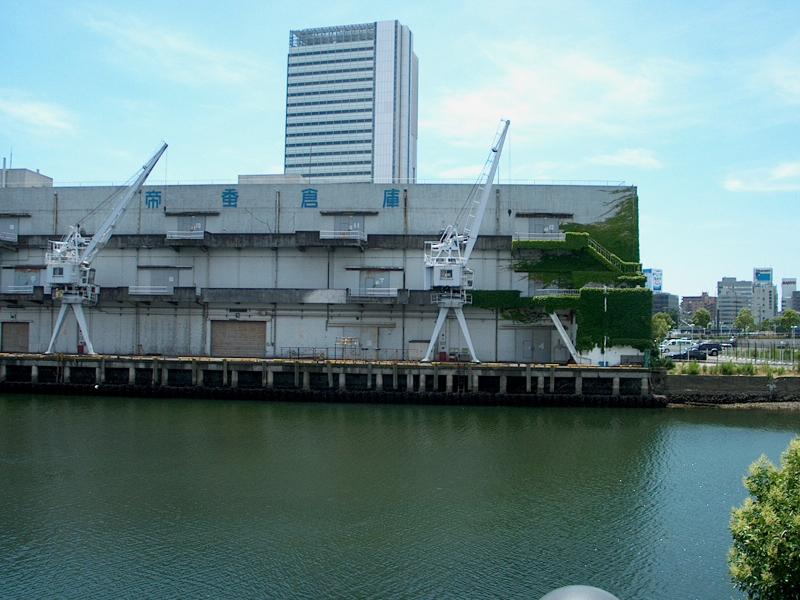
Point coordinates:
[[108, 497]]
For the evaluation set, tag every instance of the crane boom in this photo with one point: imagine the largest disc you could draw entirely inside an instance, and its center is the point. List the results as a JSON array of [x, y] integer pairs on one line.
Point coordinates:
[[474, 224], [103, 233]]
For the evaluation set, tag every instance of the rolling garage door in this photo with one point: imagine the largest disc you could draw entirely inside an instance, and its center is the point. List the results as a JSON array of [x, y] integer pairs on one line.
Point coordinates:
[[15, 336], [238, 338]]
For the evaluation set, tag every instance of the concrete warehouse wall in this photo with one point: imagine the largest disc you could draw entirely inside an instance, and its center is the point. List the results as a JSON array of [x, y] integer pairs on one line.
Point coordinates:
[[263, 259]]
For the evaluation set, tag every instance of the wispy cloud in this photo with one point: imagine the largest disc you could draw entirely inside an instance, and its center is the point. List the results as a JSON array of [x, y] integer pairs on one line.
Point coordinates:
[[35, 116], [629, 157], [782, 70], [545, 91], [169, 53], [784, 177]]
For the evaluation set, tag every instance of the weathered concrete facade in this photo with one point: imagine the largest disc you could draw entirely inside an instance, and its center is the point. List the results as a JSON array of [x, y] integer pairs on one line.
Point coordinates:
[[333, 269]]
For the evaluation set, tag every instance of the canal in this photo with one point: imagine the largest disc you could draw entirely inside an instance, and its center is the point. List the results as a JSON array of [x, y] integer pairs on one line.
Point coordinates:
[[109, 497]]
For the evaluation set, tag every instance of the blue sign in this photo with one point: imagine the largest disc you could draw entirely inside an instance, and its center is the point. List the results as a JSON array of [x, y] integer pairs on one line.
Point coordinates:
[[309, 199], [391, 198], [152, 199], [230, 198]]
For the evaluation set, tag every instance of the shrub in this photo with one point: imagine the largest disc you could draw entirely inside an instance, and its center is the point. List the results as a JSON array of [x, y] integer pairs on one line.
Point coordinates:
[[693, 368], [727, 368], [746, 369], [765, 554]]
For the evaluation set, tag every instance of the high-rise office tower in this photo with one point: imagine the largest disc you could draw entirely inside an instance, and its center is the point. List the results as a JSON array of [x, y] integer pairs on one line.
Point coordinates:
[[351, 103], [765, 295], [732, 297], [788, 286]]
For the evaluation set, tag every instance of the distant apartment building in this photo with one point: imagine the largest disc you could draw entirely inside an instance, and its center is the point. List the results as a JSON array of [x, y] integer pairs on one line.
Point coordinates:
[[795, 302], [664, 302], [732, 296], [351, 104], [691, 304], [765, 295], [788, 286]]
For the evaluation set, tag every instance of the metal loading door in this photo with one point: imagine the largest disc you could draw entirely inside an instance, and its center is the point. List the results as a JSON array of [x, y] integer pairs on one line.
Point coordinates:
[[238, 338], [15, 336]]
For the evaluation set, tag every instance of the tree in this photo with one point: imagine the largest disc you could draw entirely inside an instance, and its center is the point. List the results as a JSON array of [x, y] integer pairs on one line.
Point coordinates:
[[701, 318], [744, 320], [790, 318], [765, 557], [662, 323]]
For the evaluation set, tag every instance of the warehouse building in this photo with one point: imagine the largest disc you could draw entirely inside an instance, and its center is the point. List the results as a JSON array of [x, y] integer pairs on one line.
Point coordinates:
[[327, 270]]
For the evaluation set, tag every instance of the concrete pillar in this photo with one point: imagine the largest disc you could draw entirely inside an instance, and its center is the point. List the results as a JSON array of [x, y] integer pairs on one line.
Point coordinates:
[[34, 374], [379, 382], [306, 380], [645, 386], [503, 384], [131, 375], [270, 378], [615, 386], [66, 374], [449, 383], [234, 378], [578, 383], [540, 384], [342, 381]]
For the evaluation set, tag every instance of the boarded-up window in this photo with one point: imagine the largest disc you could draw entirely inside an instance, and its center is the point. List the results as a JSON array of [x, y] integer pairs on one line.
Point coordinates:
[[238, 338], [14, 336]]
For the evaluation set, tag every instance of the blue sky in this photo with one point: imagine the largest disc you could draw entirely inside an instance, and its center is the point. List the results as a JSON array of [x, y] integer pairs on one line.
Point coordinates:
[[698, 104]]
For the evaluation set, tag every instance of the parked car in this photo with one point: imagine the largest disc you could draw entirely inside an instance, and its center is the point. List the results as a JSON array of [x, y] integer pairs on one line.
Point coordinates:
[[712, 348], [692, 354], [675, 345]]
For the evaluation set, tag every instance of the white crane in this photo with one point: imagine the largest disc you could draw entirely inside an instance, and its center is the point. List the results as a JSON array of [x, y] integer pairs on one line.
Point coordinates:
[[69, 273], [446, 271]]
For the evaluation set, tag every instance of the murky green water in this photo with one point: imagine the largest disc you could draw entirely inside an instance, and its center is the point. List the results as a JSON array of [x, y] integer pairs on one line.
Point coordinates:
[[140, 498]]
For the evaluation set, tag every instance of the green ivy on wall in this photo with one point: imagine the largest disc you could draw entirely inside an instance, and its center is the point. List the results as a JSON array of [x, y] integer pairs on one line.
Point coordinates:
[[615, 316], [620, 231]]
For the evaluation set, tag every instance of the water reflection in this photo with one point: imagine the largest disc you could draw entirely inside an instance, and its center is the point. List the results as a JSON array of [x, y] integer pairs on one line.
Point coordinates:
[[109, 496]]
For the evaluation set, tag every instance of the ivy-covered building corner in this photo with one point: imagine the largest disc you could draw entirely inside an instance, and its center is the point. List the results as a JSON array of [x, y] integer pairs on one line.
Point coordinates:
[[580, 294]]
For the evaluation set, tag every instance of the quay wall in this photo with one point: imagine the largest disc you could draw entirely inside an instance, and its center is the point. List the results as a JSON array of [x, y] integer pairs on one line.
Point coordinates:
[[328, 380], [726, 389]]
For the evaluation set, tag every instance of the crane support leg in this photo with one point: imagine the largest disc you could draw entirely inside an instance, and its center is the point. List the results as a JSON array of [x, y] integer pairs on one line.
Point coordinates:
[[463, 323], [62, 311], [77, 308], [81, 318], [565, 338], [436, 331]]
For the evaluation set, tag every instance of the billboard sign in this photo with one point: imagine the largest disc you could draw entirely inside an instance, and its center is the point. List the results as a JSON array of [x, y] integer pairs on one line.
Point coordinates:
[[655, 279]]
